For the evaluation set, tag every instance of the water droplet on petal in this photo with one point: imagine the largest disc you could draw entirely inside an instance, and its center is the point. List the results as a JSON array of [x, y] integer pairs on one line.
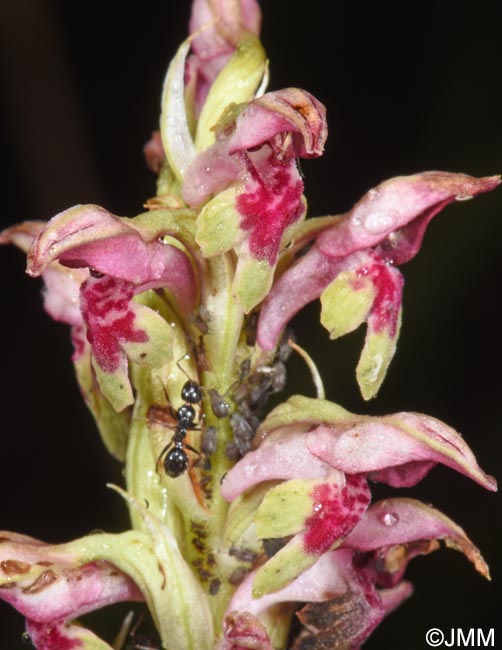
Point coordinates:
[[377, 222], [356, 220], [373, 193], [317, 507], [389, 518], [463, 197]]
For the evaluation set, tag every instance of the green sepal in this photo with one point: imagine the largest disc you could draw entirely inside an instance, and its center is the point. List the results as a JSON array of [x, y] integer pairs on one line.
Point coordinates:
[[157, 351], [298, 410], [218, 224], [83, 638], [236, 83], [346, 303], [252, 281], [285, 508], [168, 185], [376, 355], [113, 427], [175, 132], [115, 386], [178, 222], [282, 568], [240, 529], [301, 232]]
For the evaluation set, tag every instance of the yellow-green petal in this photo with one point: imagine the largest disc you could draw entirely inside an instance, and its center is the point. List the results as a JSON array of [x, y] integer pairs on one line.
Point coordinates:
[[236, 83]]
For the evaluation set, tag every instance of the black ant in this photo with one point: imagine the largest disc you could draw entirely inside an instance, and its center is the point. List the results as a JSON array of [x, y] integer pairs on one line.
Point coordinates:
[[176, 458]]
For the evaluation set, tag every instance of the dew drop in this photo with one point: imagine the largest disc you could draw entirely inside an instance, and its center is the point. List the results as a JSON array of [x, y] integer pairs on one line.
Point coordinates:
[[377, 222], [463, 197], [317, 507], [389, 518], [373, 193], [356, 220]]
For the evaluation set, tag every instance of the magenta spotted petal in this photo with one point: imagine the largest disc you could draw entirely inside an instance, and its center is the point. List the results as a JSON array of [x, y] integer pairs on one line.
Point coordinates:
[[350, 266], [348, 591], [258, 151], [110, 318], [335, 512], [109, 261]]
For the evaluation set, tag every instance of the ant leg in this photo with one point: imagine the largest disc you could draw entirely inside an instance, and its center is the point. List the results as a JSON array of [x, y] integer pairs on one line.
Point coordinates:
[[195, 451], [162, 454]]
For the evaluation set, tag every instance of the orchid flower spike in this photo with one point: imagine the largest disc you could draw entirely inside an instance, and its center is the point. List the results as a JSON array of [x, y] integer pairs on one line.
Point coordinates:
[[243, 519]]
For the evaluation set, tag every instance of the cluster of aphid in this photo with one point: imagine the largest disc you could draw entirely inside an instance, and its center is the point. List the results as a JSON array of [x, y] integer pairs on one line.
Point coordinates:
[[250, 398]]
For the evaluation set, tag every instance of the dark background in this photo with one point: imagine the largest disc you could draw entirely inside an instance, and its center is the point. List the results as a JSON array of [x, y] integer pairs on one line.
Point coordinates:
[[408, 87]]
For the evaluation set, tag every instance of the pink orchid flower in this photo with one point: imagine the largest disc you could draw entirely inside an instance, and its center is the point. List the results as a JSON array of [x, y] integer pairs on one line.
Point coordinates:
[[325, 456], [49, 586], [93, 264], [351, 589], [351, 265]]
